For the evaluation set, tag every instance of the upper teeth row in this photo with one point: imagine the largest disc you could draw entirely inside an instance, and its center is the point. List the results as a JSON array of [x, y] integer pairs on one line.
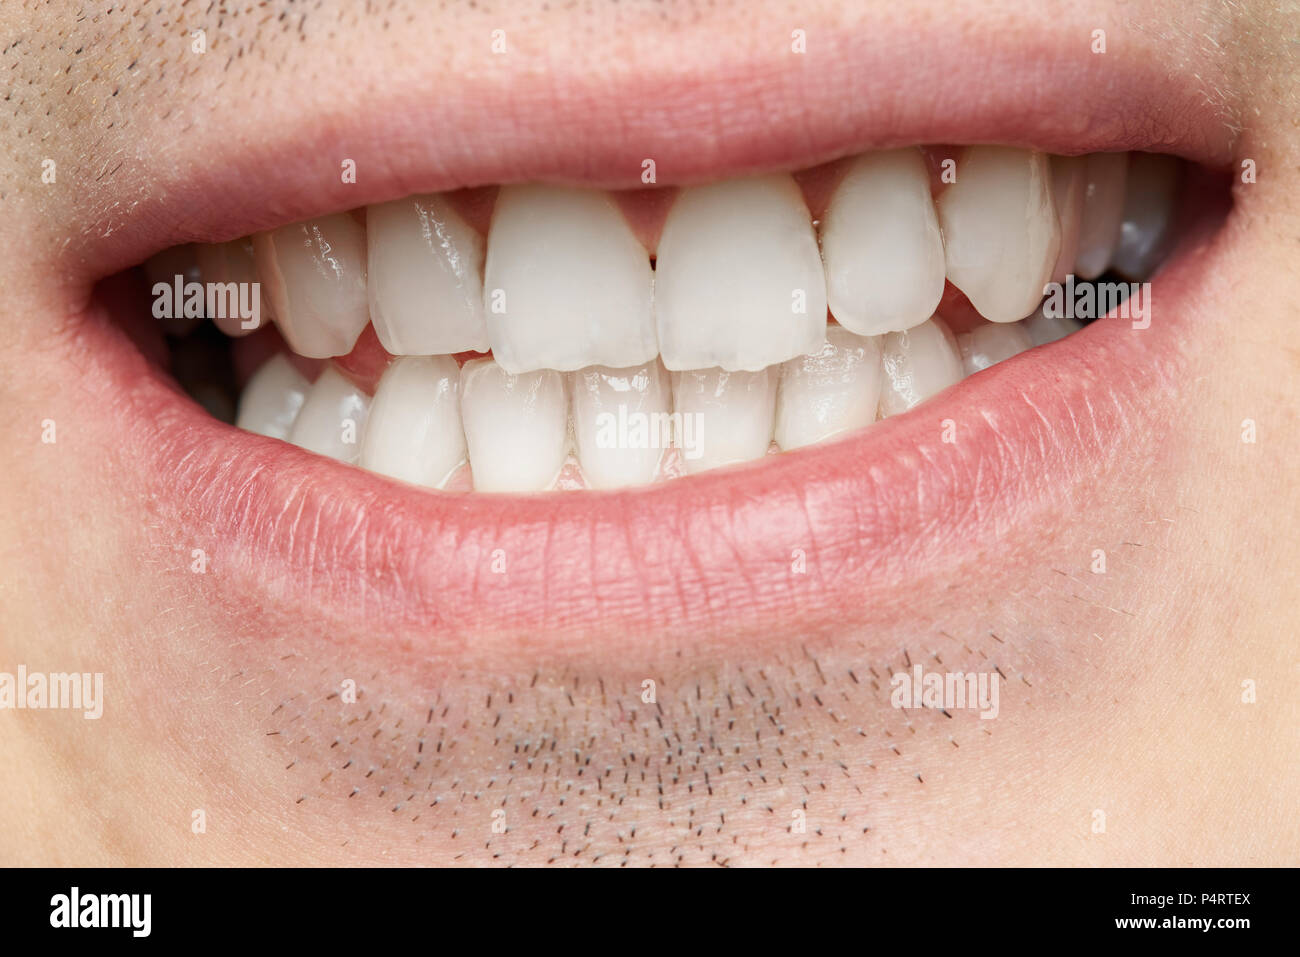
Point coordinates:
[[741, 281]]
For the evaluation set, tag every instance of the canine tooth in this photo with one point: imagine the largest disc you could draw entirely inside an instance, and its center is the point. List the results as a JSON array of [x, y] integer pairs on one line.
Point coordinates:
[[516, 426], [314, 274], [1069, 183], [835, 391], [233, 262], [1148, 208], [620, 422], [989, 344], [1103, 209], [1000, 230], [882, 246], [567, 284], [332, 420], [739, 283], [413, 432], [272, 398], [1044, 328], [917, 364], [425, 266], [726, 417]]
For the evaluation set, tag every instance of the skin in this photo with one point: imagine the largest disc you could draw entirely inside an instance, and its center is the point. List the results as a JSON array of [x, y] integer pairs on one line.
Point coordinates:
[[1123, 693]]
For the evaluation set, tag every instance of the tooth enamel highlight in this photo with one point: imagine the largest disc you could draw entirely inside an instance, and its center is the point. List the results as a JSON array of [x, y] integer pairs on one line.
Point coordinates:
[[1103, 209], [516, 426], [567, 284], [332, 420], [314, 274], [413, 432], [726, 417], [881, 242], [739, 282], [1043, 328], [620, 421], [989, 344], [917, 364], [824, 395], [1000, 229], [1069, 183], [1148, 208], [232, 262], [426, 297], [272, 398]]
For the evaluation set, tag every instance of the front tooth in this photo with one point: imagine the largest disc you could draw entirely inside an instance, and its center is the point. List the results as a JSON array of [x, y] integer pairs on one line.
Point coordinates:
[[1103, 210], [988, 344], [332, 420], [314, 274], [272, 398], [1044, 327], [1148, 208], [725, 417], [620, 419], [1000, 230], [1069, 183], [413, 432], [516, 426], [835, 391], [425, 264], [739, 282], [567, 284], [882, 246], [917, 364]]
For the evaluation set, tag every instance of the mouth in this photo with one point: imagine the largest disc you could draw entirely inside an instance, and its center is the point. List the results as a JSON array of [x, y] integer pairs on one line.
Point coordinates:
[[482, 400]]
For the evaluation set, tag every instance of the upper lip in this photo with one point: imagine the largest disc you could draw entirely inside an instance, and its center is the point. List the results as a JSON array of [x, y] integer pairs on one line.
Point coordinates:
[[708, 558]]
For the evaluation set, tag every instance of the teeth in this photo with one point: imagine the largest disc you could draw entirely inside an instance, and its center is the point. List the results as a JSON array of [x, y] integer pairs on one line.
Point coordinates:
[[516, 426], [989, 344], [413, 432], [314, 274], [425, 263], [739, 282], [1001, 234], [823, 395], [620, 419], [726, 417], [233, 262], [567, 284], [1148, 208], [1069, 183], [881, 241], [164, 268], [917, 364], [1103, 209], [272, 398], [1044, 328], [332, 420]]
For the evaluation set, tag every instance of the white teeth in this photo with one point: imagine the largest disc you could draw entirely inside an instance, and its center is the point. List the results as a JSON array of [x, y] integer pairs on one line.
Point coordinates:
[[1044, 328], [835, 391], [1000, 229], [425, 266], [726, 417], [314, 274], [739, 282], [567, 284], [620, 423], [233, 262], [917, 364], [272, 398], [516, 426], [1103, 208], [1148, 208], [881, 241], [413, 432], [1069, 183], [989, 344], [332, 420]]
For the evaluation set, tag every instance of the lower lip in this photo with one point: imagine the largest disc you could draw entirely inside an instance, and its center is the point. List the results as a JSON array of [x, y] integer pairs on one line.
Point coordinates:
[[795, 543]]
